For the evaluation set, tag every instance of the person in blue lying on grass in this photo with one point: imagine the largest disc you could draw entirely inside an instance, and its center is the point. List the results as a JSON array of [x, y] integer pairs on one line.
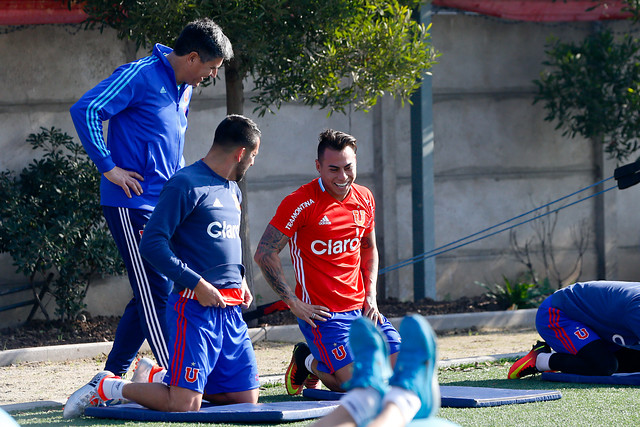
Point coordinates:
[[378, 396], [193, 237], [589, 328]]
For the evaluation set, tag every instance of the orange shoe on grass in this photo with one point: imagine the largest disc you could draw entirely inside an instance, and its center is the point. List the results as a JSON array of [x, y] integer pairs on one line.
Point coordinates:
[[527, 364], [297, 373]]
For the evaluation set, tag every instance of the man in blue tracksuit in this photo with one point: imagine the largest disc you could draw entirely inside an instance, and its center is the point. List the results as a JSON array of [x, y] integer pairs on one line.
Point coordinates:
[[146, 103], [193, 237]]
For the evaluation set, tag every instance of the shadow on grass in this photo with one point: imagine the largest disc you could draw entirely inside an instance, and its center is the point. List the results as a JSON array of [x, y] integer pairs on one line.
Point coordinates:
[[535, 383]]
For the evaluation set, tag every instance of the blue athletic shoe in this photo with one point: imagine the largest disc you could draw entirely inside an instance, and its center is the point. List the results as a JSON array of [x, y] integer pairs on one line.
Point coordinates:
[[371, 366], [416, 364]]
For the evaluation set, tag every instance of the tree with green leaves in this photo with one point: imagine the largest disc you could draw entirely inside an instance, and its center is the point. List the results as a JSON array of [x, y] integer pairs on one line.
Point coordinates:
[[51, 222], [329, 53], [592, 89]]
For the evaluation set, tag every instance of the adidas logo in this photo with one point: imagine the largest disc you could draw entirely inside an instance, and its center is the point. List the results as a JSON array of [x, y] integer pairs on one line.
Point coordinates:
[[163, 90], [217, 203], [324, 221]]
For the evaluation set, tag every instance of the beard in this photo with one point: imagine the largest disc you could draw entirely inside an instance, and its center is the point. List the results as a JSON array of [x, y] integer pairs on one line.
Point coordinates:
[[241, 170]]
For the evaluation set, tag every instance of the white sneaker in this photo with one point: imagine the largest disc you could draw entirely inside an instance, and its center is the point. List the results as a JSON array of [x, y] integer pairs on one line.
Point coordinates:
[[85, 396], [145, 370]]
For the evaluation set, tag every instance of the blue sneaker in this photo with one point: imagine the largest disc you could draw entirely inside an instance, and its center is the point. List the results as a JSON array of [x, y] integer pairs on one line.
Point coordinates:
[[371, 366], [416, 364]]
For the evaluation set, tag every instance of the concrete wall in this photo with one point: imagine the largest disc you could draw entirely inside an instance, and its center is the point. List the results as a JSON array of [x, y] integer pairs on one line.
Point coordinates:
[[495, 157]]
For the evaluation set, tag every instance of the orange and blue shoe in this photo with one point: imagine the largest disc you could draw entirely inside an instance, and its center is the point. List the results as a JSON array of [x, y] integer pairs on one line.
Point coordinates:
[[527, 365], [297, 373]]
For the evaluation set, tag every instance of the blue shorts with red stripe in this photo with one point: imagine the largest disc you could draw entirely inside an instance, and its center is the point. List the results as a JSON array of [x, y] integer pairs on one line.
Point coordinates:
[[564, 335], [328, 342], [210, 348]]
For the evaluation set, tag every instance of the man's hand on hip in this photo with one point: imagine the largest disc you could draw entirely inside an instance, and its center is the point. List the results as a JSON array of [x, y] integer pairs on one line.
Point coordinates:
[[127, 180]]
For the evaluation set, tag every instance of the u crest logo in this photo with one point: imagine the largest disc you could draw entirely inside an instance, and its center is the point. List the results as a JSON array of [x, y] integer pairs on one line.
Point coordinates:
[[191, 374], [359, 217], [581, 333], [339, 352]]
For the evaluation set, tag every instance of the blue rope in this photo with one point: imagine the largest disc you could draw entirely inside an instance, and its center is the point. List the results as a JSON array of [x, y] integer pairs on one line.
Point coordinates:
[[441, 250]]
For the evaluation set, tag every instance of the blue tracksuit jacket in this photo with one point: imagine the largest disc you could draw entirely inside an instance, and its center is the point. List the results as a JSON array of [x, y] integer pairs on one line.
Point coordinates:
[[147, 113]]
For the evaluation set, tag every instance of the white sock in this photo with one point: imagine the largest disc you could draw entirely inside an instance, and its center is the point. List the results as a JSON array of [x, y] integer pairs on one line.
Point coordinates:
[[112, 388], [158, 377], [308, 361], [407, 402], [542, 362], [363, 404]]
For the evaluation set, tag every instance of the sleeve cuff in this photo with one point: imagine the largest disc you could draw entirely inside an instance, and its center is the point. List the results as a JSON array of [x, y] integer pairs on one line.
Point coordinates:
[[105, 165], [189, 279]]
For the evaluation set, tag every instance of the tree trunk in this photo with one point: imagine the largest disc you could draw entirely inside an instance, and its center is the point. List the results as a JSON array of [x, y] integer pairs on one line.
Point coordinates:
[[235, 88], [235, 101], [598, 209]]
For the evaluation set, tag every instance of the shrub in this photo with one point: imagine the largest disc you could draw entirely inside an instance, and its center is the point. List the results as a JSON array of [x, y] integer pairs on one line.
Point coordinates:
[[51, 222], [518, 293]]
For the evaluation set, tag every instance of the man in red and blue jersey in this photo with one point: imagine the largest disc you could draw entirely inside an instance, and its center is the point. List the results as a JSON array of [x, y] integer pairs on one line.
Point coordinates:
[[588, 328], [329, 225], [146, 103], [193, 237]]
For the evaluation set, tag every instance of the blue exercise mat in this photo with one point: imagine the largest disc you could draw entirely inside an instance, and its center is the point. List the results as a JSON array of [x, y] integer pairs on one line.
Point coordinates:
[[237, 413], [465, 397], [477, 397], [619, 379]]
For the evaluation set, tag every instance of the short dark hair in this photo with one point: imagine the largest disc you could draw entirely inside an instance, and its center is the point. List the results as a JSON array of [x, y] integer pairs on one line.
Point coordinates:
[[236, 131], [335, 140], [206, 38]]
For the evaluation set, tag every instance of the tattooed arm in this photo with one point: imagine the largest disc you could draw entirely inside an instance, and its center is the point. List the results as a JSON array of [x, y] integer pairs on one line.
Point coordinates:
[[369, 270], [267, 257]]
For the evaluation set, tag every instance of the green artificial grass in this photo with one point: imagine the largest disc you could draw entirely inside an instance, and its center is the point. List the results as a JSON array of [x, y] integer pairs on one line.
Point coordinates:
[[580, 405]]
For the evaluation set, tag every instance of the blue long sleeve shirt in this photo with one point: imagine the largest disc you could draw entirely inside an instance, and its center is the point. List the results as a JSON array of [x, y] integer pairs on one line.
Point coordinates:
[[194, 231], [612, 309], [147, 113]]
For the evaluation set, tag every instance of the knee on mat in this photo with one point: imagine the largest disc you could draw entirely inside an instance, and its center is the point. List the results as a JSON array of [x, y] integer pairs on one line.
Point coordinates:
[[184, 406]]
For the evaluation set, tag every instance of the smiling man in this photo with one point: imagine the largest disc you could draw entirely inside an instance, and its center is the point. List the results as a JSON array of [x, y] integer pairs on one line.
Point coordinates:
[[146, 103], [329, 225]]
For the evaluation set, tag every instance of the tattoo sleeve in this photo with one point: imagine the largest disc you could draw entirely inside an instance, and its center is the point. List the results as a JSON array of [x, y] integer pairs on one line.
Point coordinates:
[[268, 258]]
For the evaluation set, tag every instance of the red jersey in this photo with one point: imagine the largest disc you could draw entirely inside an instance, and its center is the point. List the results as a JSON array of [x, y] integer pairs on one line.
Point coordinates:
[[324, 242]]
